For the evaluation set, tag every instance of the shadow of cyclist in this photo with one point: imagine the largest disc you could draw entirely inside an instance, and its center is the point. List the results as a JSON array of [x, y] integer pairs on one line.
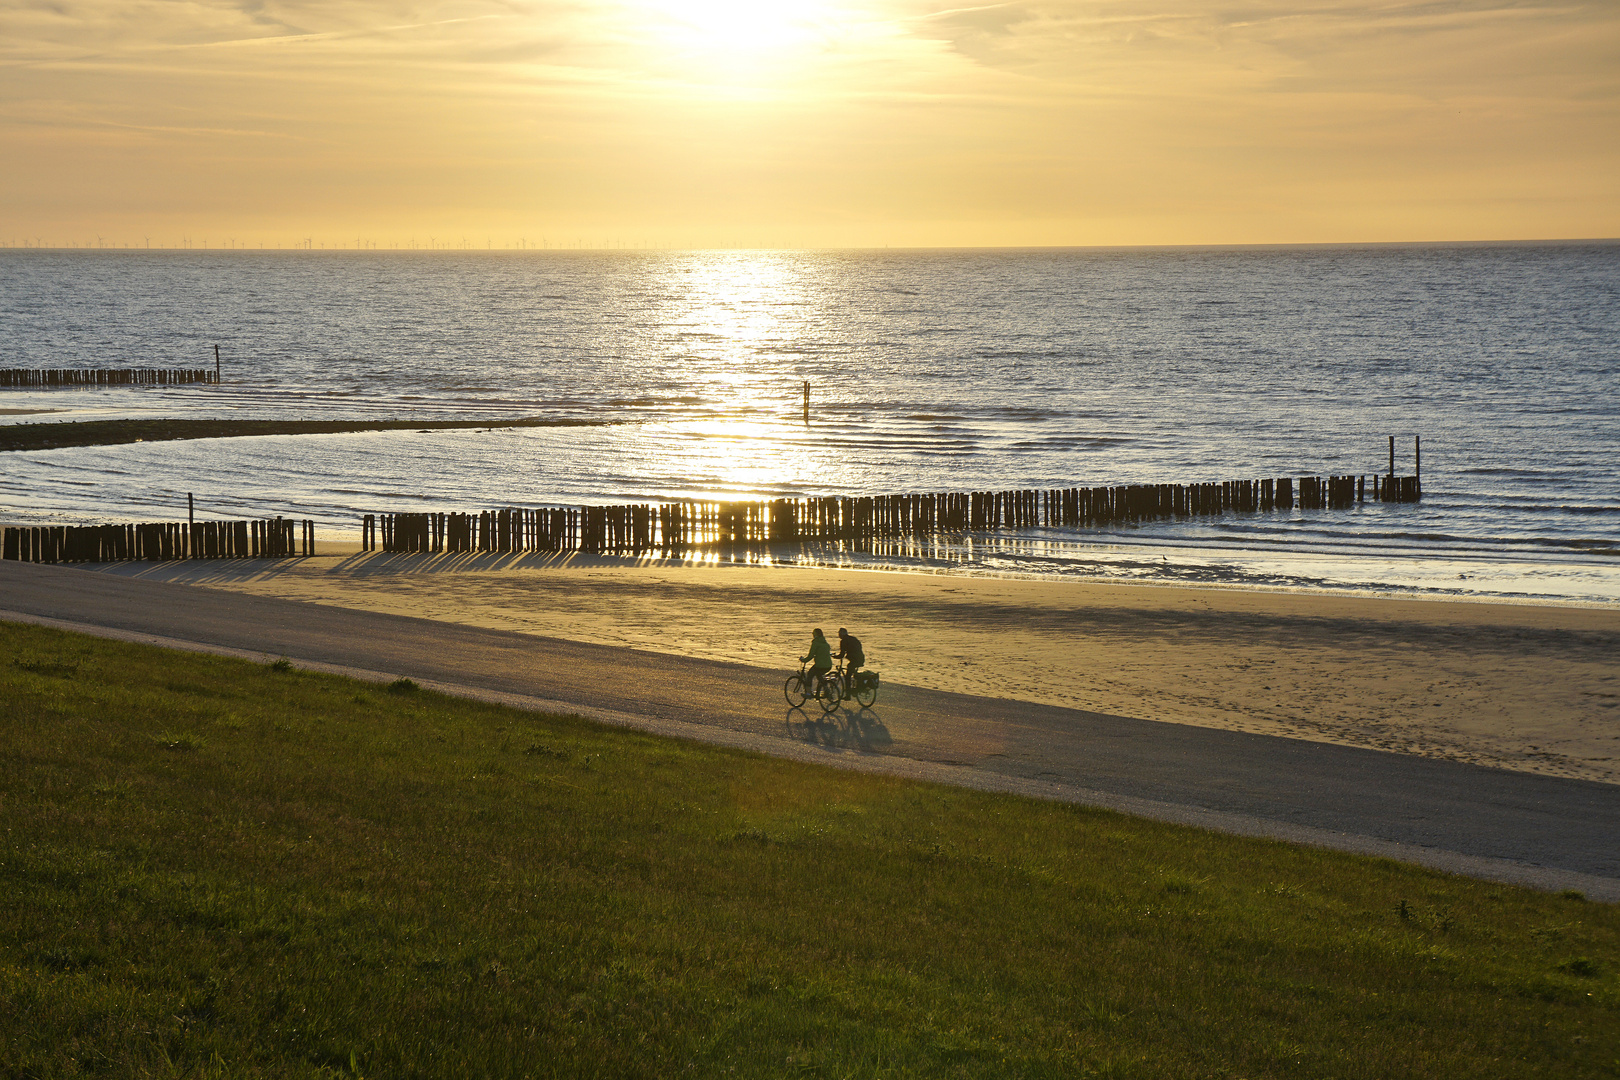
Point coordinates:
[[815, 728], [864, 728], [845, 728]]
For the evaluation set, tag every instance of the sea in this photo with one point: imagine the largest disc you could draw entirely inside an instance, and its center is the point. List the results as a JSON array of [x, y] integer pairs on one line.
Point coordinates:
[[679, 375]]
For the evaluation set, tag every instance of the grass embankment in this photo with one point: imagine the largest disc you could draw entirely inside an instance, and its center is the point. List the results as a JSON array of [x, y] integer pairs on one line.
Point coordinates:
[[112, 432], [211, 868]]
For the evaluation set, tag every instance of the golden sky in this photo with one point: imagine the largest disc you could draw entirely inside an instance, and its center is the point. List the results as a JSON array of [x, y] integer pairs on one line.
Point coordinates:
[[804, 123]]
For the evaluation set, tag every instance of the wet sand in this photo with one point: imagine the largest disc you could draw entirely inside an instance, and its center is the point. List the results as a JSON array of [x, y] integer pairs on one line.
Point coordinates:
[[56, 436], [1530, 688]]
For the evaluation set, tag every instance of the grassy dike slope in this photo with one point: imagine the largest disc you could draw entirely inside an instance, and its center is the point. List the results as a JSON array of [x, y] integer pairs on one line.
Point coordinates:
[[215, 868]]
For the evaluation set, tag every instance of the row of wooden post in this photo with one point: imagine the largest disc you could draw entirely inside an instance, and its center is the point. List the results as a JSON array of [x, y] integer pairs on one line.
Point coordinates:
[[26, 377], [645, 527], [256, 539]]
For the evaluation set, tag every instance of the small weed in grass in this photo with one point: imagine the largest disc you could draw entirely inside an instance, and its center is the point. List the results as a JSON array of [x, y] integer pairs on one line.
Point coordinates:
[[1181, 885], [184, 744], [1573, 894], [283, 664], [44, 667], [403, 685], [542, 750]]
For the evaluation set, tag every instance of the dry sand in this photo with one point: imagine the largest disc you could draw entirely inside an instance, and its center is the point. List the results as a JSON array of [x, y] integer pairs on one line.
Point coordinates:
[[1521, 687]]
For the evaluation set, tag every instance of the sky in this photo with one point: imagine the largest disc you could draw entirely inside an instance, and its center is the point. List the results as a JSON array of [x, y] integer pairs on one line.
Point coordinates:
[[805, 123]]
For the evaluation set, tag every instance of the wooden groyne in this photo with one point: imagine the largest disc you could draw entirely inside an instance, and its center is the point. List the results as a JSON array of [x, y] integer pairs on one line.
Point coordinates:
[[32, 377], [680, 526], [24, 378], [254, 539]]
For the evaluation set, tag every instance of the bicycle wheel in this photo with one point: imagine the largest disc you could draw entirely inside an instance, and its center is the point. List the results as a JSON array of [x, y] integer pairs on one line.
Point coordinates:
[[793, 690], [831, 694], [866, 695]]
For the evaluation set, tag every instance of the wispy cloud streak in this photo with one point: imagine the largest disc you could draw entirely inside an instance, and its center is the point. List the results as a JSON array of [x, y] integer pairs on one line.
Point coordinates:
[[882, 121]]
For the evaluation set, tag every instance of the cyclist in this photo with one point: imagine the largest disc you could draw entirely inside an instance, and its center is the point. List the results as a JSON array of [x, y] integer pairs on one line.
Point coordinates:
[[849, 651], [821, 655]]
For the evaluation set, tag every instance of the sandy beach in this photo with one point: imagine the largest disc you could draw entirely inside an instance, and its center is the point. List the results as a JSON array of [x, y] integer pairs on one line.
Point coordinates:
[[1530, 688]]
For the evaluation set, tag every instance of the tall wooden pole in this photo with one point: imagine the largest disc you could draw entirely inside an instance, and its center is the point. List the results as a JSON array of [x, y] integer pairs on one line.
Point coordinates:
[[216, 363], [1417, 455], [807, 401], [1392, 455]]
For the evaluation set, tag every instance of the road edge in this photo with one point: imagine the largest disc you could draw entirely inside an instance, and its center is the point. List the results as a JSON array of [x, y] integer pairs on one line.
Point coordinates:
[[1506, 871]]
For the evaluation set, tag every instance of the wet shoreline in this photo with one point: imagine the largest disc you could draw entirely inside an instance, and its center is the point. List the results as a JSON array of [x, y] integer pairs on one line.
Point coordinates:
[[21, 437]]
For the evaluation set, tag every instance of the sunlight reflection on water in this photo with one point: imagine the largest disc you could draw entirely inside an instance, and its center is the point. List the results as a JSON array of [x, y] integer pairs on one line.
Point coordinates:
[[932, 371]]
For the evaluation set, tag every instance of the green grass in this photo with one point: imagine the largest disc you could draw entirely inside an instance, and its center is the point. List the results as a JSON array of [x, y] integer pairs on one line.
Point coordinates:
[[215, 868]]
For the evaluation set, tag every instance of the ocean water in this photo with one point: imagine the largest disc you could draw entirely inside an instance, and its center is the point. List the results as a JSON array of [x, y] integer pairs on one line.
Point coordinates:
[[930, 371]]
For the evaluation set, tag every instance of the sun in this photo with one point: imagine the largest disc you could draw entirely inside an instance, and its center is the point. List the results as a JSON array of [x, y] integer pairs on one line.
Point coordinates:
[[726, 36], [731, 24]]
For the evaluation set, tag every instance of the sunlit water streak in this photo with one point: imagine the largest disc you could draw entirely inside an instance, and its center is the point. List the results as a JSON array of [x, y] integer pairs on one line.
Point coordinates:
[[932, 371]]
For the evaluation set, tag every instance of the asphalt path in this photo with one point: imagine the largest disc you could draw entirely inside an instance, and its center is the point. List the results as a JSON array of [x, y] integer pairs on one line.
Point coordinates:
[[1493, 823]]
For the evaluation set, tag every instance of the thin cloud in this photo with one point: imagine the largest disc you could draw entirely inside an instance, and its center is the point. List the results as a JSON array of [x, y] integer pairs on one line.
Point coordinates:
[[540, 111]]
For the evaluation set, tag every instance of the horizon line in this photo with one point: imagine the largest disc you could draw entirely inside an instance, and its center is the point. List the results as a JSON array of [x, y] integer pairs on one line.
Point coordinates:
[[376, 249]]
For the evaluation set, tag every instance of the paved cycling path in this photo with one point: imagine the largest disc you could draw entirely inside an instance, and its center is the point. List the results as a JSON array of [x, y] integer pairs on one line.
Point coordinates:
[[1492, 823]]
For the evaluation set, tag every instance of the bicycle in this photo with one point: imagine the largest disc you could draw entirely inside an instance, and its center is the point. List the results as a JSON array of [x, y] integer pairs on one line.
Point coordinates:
[[835, 690], [801, 687]]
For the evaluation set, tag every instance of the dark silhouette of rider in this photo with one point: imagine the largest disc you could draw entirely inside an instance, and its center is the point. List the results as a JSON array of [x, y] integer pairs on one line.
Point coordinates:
[[849, 651], [821, 653]]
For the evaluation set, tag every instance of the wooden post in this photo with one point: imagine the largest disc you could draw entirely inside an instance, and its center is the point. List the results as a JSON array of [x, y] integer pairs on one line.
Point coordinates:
[[807, 401], [1417, 455], [216, 363], [1392, 455], [191, 509]]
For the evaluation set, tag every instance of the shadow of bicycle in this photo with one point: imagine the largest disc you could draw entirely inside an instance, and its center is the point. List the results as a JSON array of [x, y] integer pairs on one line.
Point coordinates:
[[844, 728]]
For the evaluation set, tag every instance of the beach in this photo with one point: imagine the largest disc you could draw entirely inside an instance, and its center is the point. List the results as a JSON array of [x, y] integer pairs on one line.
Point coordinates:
[[679, 376], [1523, 687]]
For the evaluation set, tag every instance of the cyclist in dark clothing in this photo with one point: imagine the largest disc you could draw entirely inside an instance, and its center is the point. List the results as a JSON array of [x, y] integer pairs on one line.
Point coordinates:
[[821, 654], [849, 651]]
